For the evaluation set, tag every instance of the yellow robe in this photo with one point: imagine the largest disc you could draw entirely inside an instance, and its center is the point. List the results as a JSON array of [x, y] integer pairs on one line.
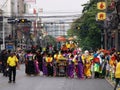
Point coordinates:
[[49, 59], [117, 72], [56, 57], [87, 65]]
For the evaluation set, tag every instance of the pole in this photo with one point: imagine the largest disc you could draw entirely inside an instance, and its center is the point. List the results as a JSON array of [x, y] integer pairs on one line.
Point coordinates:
[[102, 39], [3, 45], [105, 30]]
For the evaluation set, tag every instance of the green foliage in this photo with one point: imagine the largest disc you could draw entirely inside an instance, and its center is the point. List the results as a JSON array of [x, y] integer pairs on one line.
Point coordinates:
[[49, 39], [88, 33]]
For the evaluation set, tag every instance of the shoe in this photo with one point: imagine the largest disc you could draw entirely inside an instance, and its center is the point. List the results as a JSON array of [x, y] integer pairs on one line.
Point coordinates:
[[9, 81], [14, 82]]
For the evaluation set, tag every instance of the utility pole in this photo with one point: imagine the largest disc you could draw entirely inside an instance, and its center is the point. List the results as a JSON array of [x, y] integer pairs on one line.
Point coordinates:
[[105, 30], [101, 16], [3, 29]]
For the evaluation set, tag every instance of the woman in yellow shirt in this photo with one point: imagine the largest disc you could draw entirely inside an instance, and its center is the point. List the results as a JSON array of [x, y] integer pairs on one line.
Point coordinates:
[[12, 62], [117, 73]]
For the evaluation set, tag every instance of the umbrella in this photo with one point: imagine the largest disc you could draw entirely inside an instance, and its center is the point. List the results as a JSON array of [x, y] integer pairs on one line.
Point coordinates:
[[60, 39]]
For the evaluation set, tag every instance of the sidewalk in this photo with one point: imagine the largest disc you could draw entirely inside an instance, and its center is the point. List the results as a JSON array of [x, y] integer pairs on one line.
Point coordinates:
[[112, 83]]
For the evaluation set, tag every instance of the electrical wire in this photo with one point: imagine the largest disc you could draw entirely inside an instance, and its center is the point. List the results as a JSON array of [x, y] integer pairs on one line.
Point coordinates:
[[59, 12], [62, 18], [53, 12], [45, 16], [4, 4], [51, 23]]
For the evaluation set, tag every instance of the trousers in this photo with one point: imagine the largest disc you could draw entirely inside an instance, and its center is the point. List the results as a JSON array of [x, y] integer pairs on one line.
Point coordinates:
[[12, 73]]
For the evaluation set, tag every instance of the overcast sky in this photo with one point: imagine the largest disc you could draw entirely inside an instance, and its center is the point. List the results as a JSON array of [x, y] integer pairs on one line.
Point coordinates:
[[61, 5]]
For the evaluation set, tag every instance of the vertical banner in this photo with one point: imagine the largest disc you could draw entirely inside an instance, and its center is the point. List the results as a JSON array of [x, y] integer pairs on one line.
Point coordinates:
[[101, 16], [101, 5], [34, 11]]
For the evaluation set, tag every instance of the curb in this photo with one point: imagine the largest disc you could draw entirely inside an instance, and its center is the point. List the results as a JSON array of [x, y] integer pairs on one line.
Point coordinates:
[[110, 82]]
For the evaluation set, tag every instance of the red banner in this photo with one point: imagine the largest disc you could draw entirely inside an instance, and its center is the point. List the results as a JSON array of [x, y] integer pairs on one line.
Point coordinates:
[[34, 11]]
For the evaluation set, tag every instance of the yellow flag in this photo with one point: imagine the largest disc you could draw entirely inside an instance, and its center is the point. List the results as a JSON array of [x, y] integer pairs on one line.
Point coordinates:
[[101, 16], [101, 5]]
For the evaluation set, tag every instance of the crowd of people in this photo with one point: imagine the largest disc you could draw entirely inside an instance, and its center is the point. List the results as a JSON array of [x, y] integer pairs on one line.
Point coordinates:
[[99, 64], [77, 63]]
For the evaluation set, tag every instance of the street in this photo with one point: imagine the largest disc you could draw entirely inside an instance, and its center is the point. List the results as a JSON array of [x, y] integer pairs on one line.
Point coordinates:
[[40, 82]]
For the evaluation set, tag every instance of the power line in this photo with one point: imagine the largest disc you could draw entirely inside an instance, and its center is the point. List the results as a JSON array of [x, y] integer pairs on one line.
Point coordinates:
[[58, 12], [52, 23], [54, 16], [53, 12], [45, 16], [60, 19], [4, 4]]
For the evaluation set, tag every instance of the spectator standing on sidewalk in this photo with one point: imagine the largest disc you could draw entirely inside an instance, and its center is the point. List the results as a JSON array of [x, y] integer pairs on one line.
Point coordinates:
[[3, 58], [12, 62], [117, 72]]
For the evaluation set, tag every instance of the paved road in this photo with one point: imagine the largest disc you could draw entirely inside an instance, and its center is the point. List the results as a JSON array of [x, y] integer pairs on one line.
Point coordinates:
[[24, 82]]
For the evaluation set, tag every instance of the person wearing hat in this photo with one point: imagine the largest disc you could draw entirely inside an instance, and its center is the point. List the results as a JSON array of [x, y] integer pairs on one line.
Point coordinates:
[[12, 62]]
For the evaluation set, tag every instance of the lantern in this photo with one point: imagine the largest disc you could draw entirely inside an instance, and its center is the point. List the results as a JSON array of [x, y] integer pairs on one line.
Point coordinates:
[[101, 16], [101, 5]]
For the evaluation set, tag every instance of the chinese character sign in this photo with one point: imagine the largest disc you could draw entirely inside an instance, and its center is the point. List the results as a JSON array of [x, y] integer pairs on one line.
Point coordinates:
[[101, 16], [101, 5]]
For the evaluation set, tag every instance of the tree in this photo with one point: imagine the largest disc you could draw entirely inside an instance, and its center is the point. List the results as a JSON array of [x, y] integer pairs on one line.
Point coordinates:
[[49, 40], [86, 29]]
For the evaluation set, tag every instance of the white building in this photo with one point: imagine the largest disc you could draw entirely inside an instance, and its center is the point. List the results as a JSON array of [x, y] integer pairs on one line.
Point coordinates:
[[11, 9], [56, 28]]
